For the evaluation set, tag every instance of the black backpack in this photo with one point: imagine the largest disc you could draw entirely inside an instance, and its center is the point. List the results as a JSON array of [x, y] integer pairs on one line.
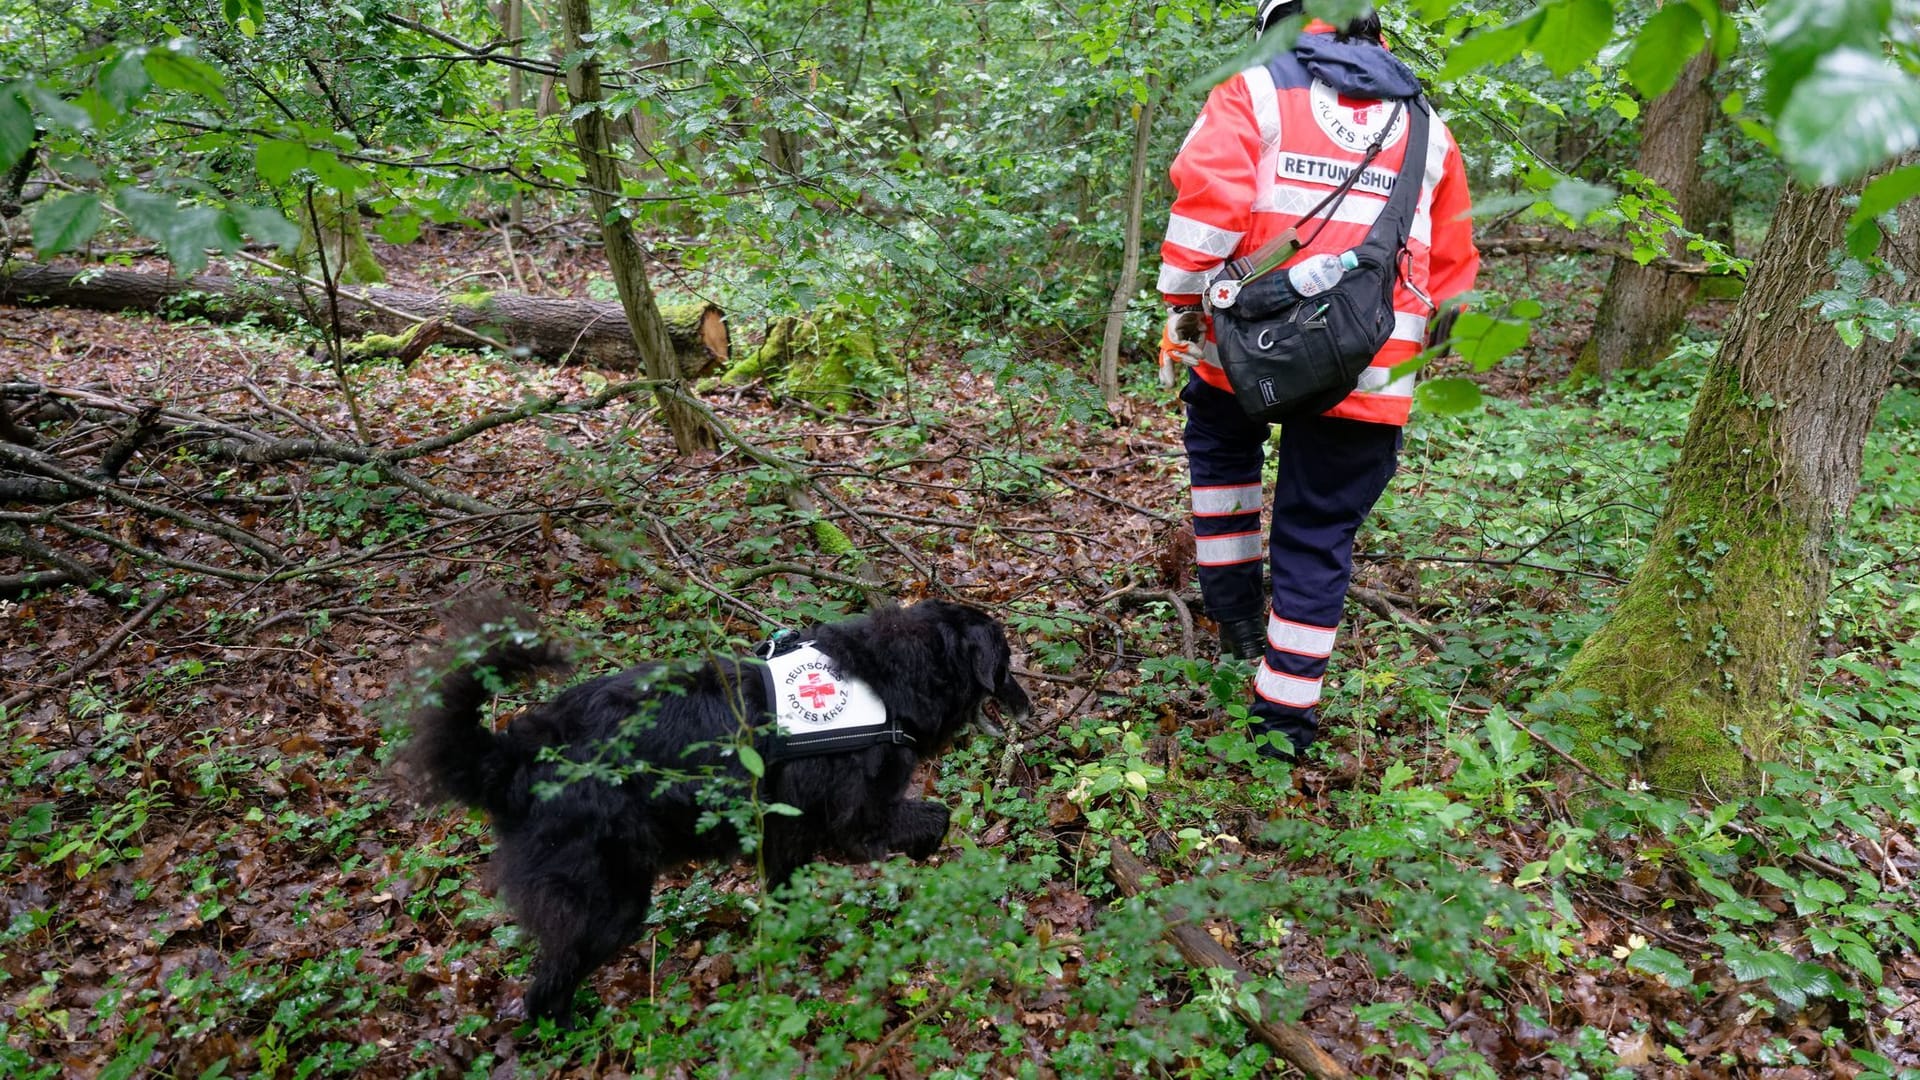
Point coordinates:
[[1287, 355]]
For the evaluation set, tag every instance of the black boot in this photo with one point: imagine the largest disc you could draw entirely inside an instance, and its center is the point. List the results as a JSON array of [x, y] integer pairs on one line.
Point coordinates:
[[1243, 639]]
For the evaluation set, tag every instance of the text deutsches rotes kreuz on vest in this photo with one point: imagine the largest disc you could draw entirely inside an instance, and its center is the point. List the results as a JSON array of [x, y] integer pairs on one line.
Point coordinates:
[[812, 696]]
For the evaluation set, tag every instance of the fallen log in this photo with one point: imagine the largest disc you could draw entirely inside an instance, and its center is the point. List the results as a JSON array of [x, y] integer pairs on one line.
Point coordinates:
[[1294, 1044], [1583, 245], [588, 332]]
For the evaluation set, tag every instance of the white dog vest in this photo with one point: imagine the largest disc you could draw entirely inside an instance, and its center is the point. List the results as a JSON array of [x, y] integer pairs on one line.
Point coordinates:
[[818, 710]]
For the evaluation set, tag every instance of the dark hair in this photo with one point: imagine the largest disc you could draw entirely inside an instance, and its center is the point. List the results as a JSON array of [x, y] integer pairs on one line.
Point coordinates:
[[1366, 26]]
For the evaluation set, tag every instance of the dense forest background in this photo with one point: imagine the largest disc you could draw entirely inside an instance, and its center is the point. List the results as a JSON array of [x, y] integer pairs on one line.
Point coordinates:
[[685, 323]]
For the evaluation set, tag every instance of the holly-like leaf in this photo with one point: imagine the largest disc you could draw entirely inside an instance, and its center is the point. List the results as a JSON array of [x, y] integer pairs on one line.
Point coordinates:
[[1572, 32], [266, 223], [124, 80], [1491, 48], [1484, 340], [1338, 12], [1668, 967], [150, 214], [58, 110], [184, 232], [1579, 199], [16, 127], [1851, 114], [1800, 32], [66, 223], [175, 69], [750, 760], [246, 15], [1662, 48], [1722, 31], [1888, 191], [277, 159], [1882, 195], [1447, 397]]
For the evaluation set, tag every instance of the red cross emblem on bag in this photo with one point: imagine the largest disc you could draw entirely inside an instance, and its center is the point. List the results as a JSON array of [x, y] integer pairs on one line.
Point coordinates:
[[816, 689]]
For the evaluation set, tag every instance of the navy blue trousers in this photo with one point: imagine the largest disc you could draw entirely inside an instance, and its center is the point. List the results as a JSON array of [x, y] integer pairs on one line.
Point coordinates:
[[1330, 473]]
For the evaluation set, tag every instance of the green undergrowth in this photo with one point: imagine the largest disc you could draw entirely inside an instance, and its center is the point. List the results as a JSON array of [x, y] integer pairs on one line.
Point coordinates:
[[1429, 885]]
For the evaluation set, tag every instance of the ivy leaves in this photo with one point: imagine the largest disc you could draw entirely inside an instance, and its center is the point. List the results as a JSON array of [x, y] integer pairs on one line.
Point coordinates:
[[69, 118], [1841, 104]]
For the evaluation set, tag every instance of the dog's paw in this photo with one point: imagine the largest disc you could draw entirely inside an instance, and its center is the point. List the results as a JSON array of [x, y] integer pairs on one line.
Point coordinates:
[[928, 832]]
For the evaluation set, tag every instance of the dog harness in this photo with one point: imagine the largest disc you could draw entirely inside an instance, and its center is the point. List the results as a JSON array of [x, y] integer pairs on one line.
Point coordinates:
[[816, 709]]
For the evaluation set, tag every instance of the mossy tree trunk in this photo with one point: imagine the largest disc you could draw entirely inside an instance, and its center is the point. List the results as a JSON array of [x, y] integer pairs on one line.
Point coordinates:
[[1709, 644], [590, 133], [1644, 306], [333, 242]]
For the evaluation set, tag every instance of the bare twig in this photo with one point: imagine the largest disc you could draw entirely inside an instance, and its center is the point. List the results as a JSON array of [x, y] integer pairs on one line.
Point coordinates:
[[1188, 640], [93, 659], [1104, 497], [873, 1058], [1294, 1044], [1378, 603], [1576, 245], [363, 298], [31, 461]]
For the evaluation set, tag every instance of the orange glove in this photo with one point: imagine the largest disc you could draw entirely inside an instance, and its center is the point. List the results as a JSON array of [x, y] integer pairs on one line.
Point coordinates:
[[1180, 340]]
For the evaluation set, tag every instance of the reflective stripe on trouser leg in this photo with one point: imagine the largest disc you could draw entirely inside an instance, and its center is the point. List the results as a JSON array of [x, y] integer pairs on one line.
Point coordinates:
[[1224, 452], [1331, 472]]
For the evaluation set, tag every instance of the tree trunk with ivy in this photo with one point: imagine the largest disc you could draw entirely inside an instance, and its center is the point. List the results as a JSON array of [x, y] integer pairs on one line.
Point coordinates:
[[1644, 306], [650, 335], [1710, 642]]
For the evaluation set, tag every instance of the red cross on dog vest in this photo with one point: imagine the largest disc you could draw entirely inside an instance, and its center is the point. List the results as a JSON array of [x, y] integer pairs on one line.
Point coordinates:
[[816, 709]]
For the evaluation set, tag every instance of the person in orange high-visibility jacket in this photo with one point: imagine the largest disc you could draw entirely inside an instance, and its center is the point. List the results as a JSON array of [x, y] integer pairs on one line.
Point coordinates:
[[1269, 145]]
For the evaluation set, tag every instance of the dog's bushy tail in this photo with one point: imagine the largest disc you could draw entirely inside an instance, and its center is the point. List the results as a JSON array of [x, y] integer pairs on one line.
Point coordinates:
[[491, 643]]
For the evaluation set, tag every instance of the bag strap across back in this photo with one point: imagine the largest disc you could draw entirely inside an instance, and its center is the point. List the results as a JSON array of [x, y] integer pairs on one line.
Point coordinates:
[[1401, 205]]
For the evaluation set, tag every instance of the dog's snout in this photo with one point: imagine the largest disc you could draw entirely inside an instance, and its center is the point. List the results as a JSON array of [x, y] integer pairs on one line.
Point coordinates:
[[1014, 704]]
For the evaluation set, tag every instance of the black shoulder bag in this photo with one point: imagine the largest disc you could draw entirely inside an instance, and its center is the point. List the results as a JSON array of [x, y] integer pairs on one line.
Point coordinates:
[[1292, 355]]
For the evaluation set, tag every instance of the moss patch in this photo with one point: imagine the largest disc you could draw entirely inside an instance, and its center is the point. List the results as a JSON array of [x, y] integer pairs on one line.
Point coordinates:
[[477, 302], [828, 358], [343, 233], [1711, 635]]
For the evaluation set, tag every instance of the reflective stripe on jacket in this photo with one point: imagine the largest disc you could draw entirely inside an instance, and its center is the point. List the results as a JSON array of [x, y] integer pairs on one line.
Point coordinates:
[[1270, 143]]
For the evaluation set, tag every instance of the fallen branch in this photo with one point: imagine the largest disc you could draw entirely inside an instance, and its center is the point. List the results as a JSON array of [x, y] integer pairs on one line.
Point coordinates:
[[1378, 604], [145, 423], [1575, 245], [1188, 640], [135, 551], [544, 328], [12, 585], [92, 659], [283, 450], [26, 460], [1294, 1044], [15, 541], [871, 1060]]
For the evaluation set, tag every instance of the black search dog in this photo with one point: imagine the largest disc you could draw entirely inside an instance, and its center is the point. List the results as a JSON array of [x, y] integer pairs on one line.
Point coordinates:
[[577, 856]]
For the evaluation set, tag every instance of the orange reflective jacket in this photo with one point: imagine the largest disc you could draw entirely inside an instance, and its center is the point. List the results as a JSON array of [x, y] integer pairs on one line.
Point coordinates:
[[1270, 143]]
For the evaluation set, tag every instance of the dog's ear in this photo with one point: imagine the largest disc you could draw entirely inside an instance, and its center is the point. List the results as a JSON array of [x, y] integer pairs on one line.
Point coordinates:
[[992, 662]]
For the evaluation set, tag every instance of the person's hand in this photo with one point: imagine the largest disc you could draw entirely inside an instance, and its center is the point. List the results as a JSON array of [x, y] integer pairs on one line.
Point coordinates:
[[1440, 328], [1180, 340], [1180, 343]]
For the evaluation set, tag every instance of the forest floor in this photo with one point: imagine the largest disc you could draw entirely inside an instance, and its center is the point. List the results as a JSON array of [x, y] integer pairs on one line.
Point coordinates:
[[209, 870]]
